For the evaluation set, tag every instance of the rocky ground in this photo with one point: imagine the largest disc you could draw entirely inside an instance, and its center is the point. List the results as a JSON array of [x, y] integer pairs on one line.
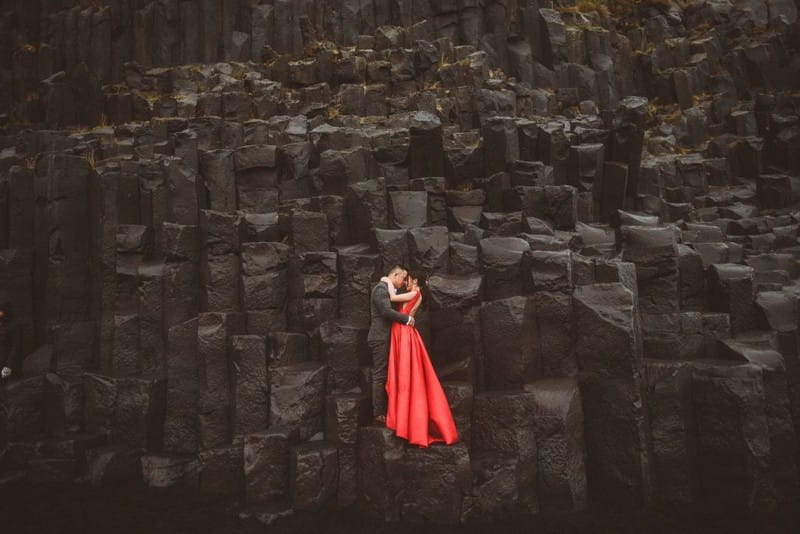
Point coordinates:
[[195, 198], [70, 509]]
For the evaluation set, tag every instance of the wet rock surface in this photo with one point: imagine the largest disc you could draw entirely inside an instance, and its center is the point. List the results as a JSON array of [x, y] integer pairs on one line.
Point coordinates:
[[196, 199]]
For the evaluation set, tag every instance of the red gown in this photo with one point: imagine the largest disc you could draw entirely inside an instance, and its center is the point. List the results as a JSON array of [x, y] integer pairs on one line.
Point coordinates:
[[418, 409]]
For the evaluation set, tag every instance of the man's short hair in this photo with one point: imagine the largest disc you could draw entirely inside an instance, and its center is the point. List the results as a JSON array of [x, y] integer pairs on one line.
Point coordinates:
[[396, 268]]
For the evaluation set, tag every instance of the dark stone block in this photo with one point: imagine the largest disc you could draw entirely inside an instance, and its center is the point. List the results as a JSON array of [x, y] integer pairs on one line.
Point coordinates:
[[436, 480], [297, 397], [217, 472], [555, 331], [408, 209], [182, 425], [655, 254], [217, 170], [249, 384], [266, 464], [503, 422], [500, 144], [561, 453], [367, 208], [669, 405], [265, 275], [24, 402], [339, 169], [309, 231], [510, 356], [357, 271], [107, 466], [426, 151], [286, 348], [730, 290], [392, 247], [334, 208], [428, 249], [314, 275], [733, 445], [342, 348], [313, 475], [501, 260], [609, 360], [380, 473], [344, 415], [463, 258]]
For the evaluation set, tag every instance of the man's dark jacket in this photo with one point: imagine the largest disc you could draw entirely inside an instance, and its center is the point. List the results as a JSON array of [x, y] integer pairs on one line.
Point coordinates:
[[382, 314]]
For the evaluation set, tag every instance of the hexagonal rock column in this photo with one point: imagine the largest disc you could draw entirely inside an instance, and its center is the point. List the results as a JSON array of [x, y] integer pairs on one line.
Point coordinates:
[[367, 208], [181, 298], [503, 432], [654, 252], [110, 465], [778, 310], [429, 249], [426, 152], [609, 352], [342, 347], [23, 401], [501, 260], [436, 480], [509, 339], [380, 473], [455, 346], [214, 331], [182, 423], [220, 265], [265, 280], [730, 290], [561, 453], [669, 406], [627, 138], [297, 397], [733, 442], [782, 433], [313, 475], [313, 288], [357, 269], [256, 178], [249, 384], [344, 415], [266, 464], [500, 144], [217, 471], [62, 242], [550, 283]]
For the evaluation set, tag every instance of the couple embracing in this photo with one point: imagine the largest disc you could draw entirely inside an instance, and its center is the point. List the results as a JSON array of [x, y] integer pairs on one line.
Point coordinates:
[[406, 394]]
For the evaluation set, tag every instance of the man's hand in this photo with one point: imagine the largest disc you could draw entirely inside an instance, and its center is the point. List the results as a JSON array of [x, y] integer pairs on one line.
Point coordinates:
[[6, 372], [411, 321]]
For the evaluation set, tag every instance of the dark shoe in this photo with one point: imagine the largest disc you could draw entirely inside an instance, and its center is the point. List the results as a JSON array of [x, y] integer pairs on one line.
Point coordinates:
[[379, 420]]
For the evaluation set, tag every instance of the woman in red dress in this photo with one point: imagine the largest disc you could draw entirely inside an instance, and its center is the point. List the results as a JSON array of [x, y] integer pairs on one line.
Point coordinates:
[[418, 409]]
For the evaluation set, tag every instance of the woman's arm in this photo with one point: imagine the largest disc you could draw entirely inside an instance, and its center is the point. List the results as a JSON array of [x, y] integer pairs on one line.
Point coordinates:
[[416, 306], [393, 296]]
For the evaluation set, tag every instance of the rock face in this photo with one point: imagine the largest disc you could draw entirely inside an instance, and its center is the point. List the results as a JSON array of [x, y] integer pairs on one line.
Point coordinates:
[[197, 197], [608, 349]]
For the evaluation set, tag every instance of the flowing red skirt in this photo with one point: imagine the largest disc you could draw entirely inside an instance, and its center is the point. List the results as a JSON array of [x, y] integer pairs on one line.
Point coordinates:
[[418, 409]]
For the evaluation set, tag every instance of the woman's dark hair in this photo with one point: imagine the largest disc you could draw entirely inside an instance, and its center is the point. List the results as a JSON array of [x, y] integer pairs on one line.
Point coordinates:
[[420, 277]]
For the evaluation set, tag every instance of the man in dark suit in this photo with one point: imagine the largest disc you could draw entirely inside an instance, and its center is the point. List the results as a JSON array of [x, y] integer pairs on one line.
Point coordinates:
[[380, 328]]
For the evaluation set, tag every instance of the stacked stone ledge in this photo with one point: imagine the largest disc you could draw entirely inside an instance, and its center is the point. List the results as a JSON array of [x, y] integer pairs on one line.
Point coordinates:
[[612, 299]]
